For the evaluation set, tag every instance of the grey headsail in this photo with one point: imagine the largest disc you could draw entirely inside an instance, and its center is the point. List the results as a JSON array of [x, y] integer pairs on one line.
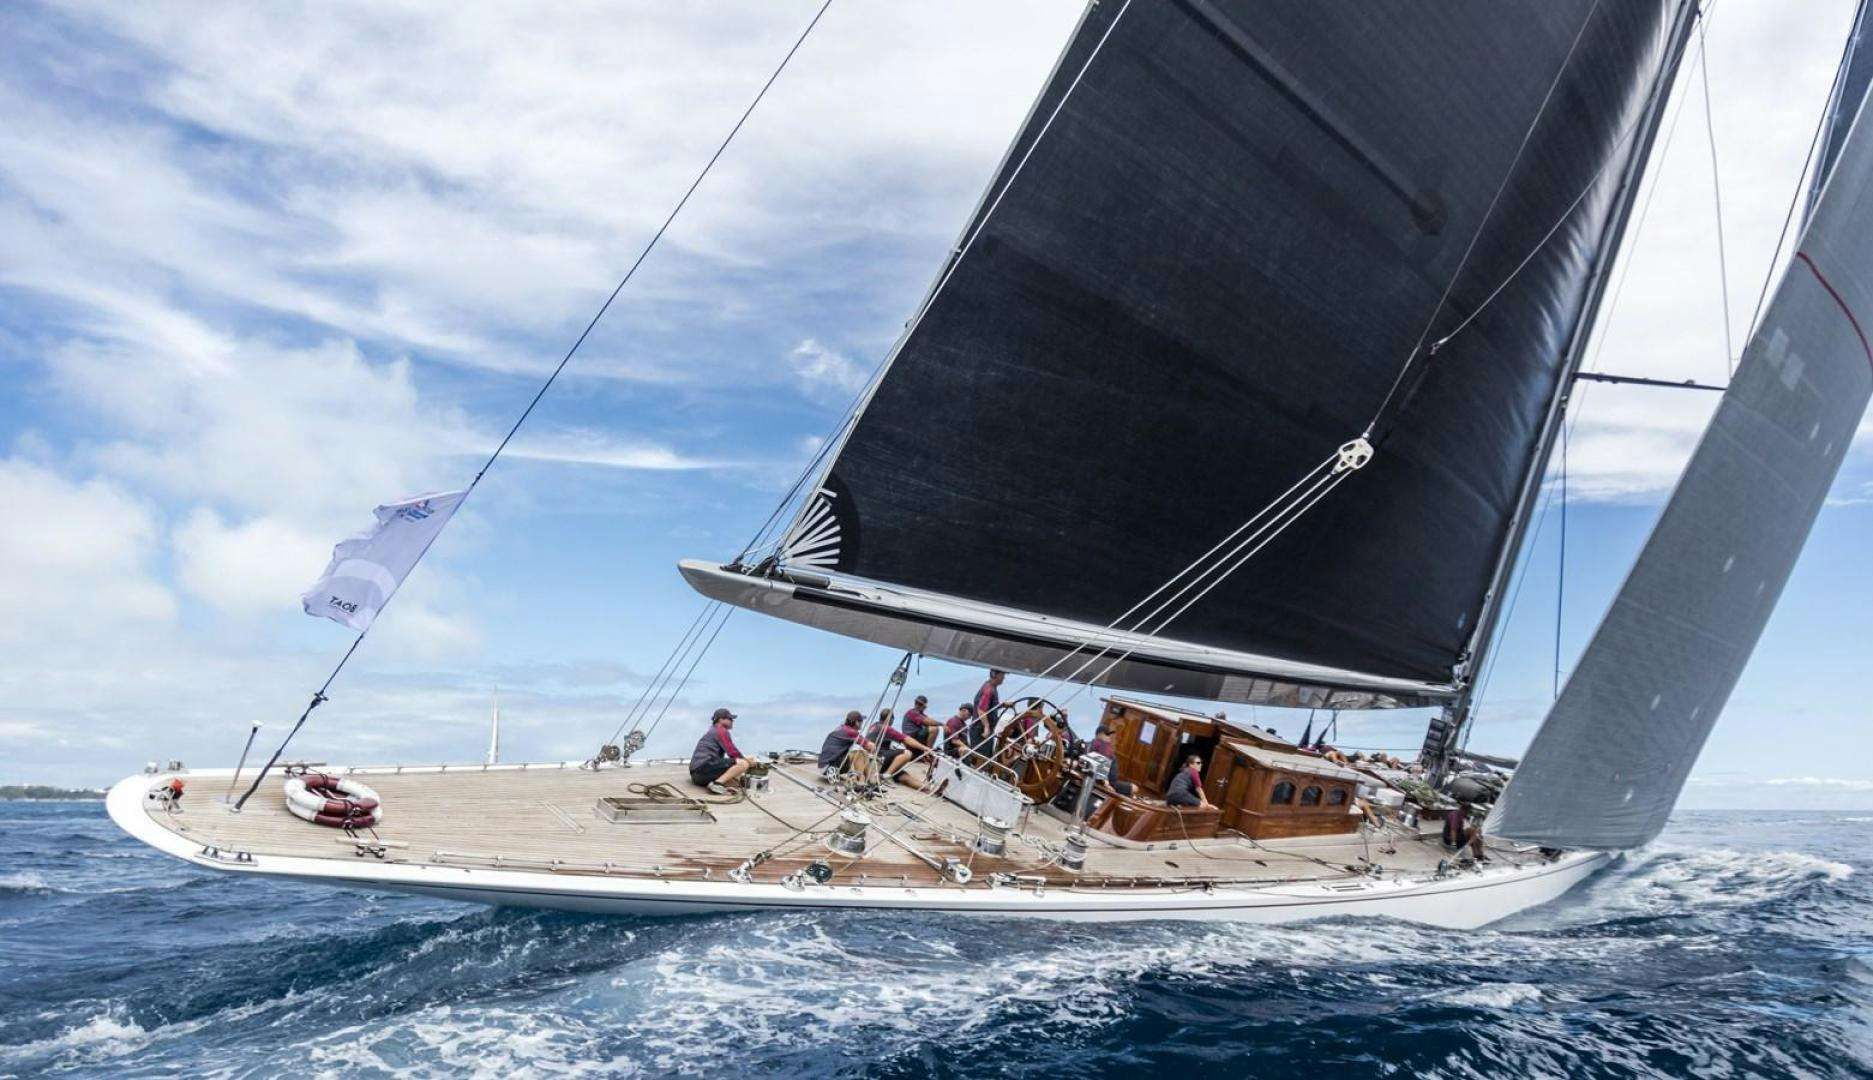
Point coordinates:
[[1610, 759], [1202, 267]]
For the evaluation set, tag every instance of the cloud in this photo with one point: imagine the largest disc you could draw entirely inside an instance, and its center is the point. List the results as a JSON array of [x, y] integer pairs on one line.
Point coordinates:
[[256, 567], [825, 373], [571, 446], [424, 183], [1859, 495], [75, 555], [1845, 783]]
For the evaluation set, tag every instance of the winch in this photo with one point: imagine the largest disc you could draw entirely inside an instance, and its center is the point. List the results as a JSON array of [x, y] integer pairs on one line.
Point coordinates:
[[848, 837], [993, 839]]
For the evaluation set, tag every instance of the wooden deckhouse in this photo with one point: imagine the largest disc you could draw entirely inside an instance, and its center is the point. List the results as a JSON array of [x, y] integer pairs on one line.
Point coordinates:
[[1261, 785]]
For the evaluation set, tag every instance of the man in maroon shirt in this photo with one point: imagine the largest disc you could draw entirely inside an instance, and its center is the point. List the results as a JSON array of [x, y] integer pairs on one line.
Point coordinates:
[[1103, 746], [718, 762], [990, 695], [956, 730], [893, 748], [917, 722]]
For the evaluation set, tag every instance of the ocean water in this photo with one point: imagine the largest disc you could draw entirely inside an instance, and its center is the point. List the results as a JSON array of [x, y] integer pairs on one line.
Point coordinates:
[[1739, 945]]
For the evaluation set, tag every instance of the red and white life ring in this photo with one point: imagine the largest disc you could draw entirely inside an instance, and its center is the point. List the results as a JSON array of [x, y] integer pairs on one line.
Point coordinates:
[[338, 801]]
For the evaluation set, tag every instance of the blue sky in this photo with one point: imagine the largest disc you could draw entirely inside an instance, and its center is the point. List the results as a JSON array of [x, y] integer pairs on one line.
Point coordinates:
[[262, 270]]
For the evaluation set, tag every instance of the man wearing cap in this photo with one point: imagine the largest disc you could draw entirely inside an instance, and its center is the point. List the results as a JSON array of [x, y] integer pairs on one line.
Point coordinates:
[[838, 745], [917, 722], [717, 762], [956, 730]]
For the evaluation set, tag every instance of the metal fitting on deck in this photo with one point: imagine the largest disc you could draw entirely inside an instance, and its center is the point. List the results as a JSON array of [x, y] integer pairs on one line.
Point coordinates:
[[848, 837], [993, 839]]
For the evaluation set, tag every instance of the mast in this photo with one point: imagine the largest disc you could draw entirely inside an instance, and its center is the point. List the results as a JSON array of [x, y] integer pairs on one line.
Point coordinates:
[[1446, 731], [494, 732]]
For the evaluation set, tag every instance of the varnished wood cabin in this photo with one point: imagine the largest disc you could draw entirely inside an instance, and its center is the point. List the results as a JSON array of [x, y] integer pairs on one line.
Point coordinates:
[[1261, 784]]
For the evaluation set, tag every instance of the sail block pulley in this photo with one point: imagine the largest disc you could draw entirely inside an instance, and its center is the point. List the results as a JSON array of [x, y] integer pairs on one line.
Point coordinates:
[[1353, 455]]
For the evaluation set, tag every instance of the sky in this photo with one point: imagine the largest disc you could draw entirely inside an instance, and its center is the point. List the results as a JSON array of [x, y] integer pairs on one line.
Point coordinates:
[[264, 267]]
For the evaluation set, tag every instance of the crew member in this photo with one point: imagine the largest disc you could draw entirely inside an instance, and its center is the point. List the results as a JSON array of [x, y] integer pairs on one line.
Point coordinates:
[[894, 758], [990, 695], [716, 762], [1103, 746], [1459, 834], [832, 752], [956, 730], [917, 722], [1187, 786]]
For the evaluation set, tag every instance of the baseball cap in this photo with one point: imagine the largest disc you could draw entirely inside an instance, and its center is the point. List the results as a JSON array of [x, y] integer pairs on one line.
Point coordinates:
[[721, 714]]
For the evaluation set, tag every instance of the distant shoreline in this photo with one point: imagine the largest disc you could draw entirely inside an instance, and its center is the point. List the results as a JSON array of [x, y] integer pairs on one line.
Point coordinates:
[[48, 793]]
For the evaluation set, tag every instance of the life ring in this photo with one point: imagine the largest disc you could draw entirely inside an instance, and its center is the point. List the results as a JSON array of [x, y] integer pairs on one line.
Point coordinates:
[[338, 801]]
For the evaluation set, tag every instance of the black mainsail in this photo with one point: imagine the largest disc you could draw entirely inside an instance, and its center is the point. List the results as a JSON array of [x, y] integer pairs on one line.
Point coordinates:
[[1205, 262], [1614, 752]]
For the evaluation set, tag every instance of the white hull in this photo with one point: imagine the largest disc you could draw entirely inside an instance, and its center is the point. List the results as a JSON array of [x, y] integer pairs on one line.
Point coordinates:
[[1464, 900]]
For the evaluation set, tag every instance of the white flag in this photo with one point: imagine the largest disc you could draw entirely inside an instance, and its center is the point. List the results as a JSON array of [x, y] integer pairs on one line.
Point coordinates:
[[366, 569]]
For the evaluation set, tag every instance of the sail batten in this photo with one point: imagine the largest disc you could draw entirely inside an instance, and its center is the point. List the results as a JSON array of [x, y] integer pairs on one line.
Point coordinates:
[[1613, 754]]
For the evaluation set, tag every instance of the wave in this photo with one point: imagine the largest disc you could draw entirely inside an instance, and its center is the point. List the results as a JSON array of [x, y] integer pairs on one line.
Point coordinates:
[[103, 1036], [1494, 996], [1665, 883], [24, 881], [255, 977]]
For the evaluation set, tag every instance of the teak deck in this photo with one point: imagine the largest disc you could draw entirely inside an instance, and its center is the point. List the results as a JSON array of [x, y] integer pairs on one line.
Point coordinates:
[[545, 817]]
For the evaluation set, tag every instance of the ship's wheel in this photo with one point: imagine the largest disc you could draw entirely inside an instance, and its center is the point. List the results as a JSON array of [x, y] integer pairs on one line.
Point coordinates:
[[1030, 747]]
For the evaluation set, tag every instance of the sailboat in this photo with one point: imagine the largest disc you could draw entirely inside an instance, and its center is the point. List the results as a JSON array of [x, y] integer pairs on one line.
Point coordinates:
[[1239, 385]]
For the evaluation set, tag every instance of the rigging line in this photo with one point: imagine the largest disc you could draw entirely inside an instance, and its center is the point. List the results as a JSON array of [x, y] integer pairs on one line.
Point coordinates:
[[1811, 162], [1560, 575], [691, 654], [1172, 580], [969, 242], [1515, 595], [1631, 129], [1599, 348], [657, 679], [319, 696], [652, 730], [661, 229], [1483, 222], [1716, 191], [1315, 498], [1260, 538], [825, 445], [1638, 228], [966, 244]]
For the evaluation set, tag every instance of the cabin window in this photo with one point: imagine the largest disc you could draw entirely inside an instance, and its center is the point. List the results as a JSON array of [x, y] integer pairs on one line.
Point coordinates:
[[1146, 733], [1282, 795], [1310, 797], [1336, 797]]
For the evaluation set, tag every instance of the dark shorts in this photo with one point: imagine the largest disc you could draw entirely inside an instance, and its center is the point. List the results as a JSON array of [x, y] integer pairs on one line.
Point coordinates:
[[708, 774]]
